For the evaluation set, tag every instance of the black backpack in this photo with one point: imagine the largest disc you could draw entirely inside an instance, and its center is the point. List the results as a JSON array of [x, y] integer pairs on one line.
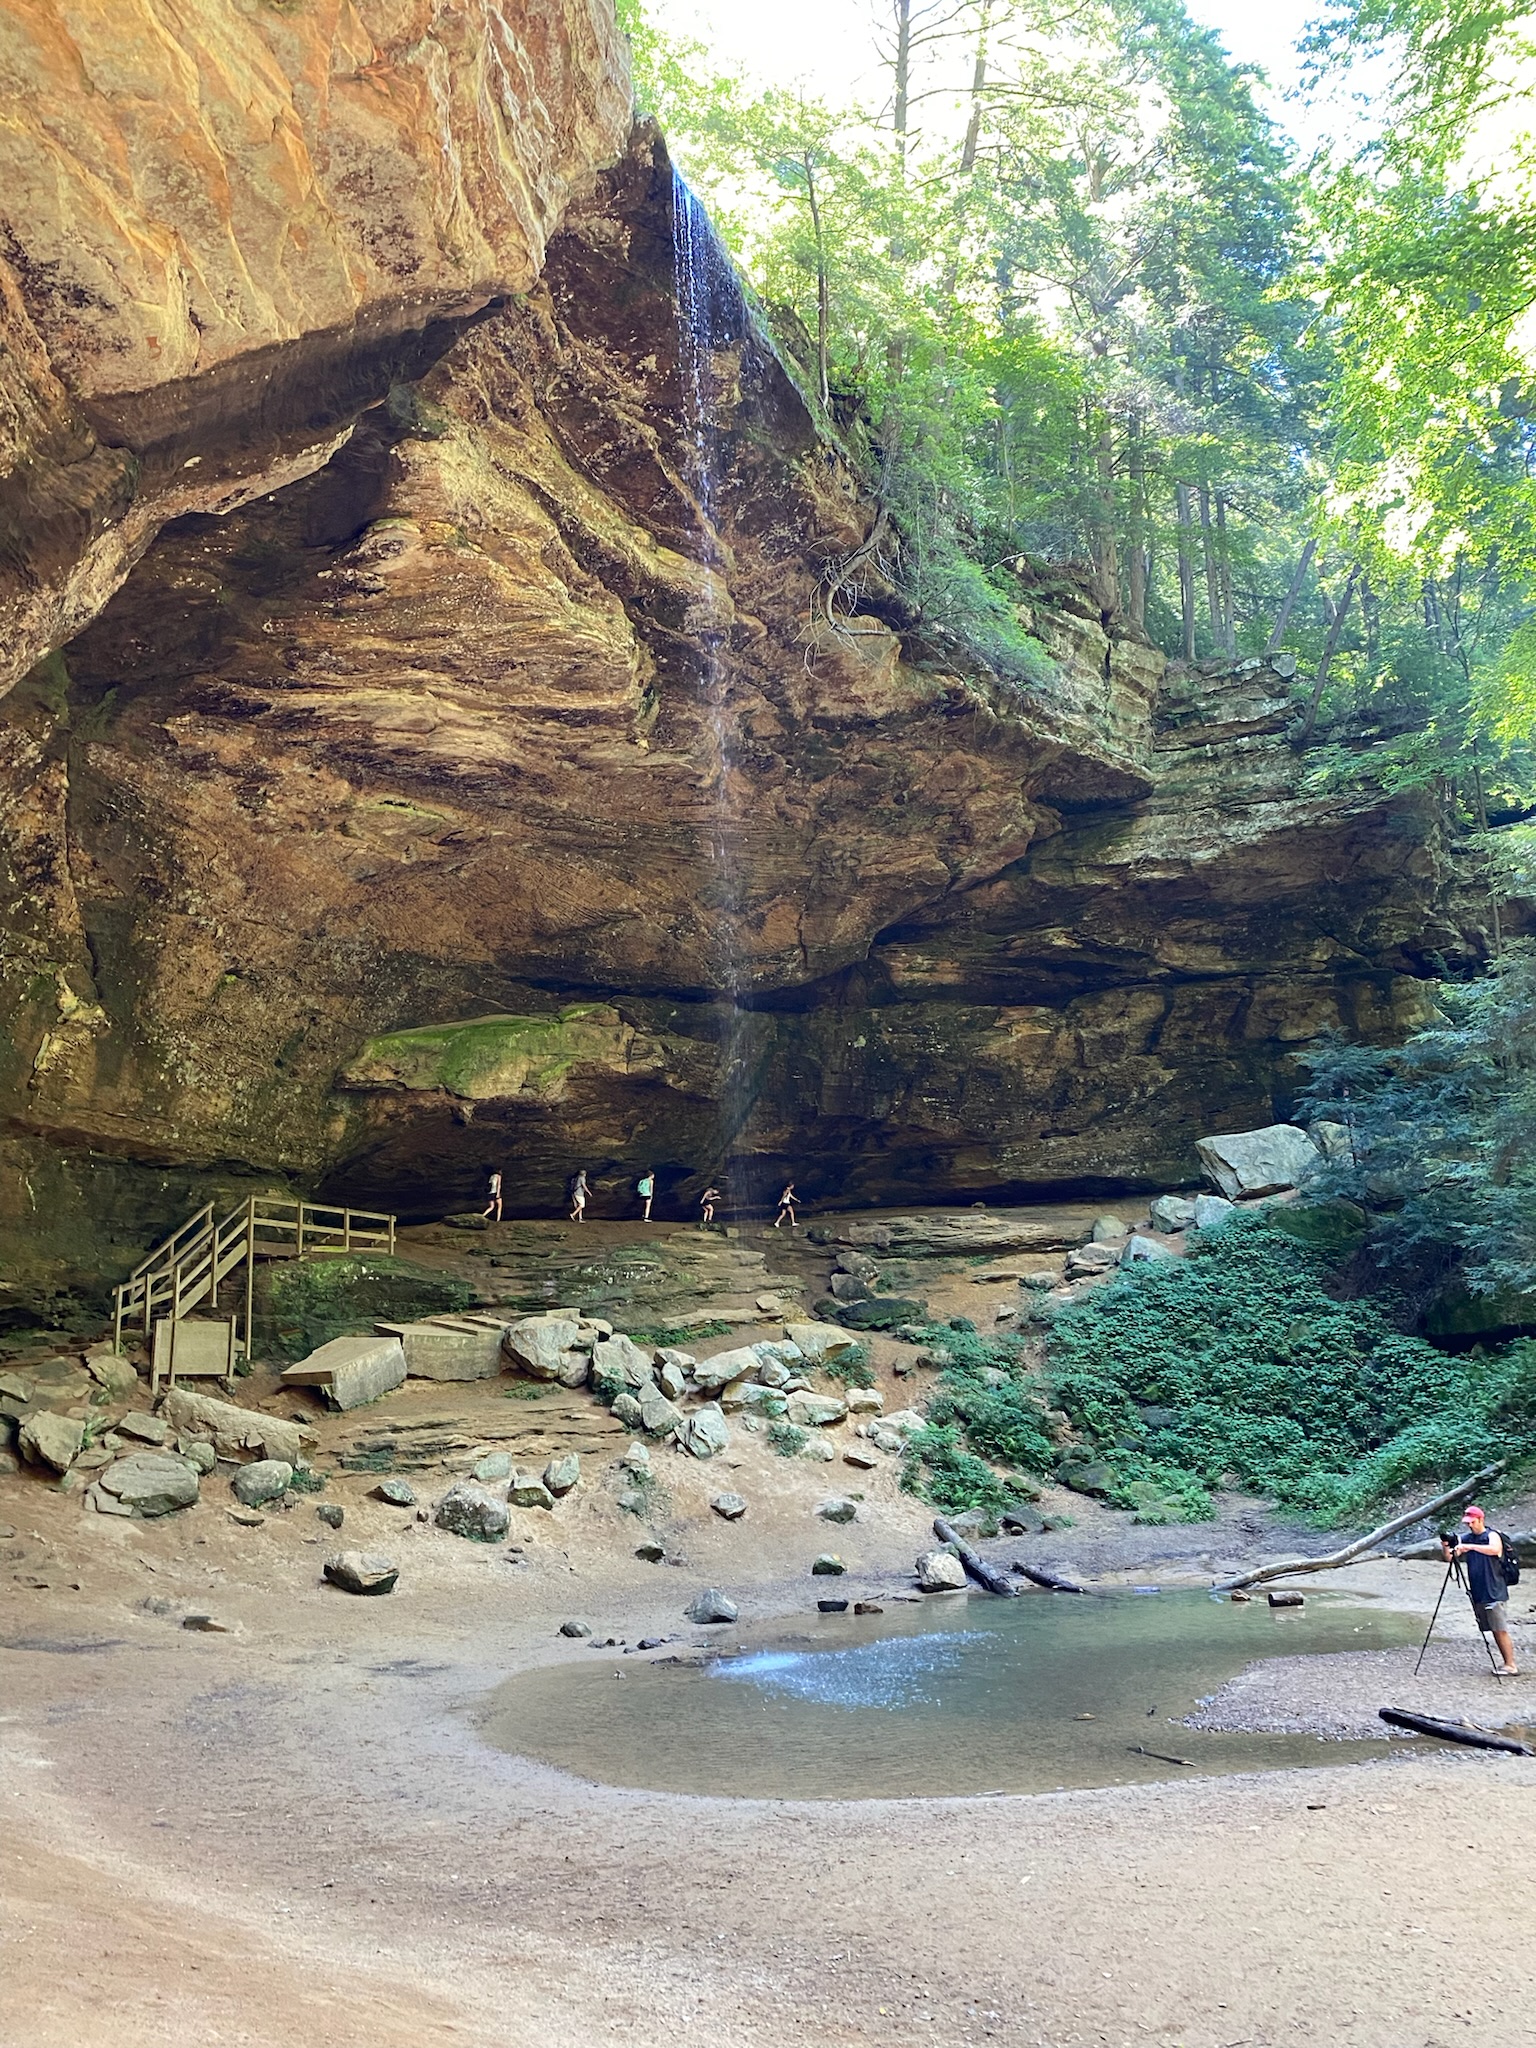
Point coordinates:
[[1507, 1564]]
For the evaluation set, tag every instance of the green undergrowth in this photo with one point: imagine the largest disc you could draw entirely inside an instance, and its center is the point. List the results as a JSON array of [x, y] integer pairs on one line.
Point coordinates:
[[304, 1303], [1242, 1365], [853, 1370], [788, 1438]]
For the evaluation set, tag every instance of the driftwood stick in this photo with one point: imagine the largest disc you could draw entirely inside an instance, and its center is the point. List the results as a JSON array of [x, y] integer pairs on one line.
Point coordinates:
[[1453, 1731], [1049, 1580], [1138, 1749], [983, 1573], [1352, 1552]]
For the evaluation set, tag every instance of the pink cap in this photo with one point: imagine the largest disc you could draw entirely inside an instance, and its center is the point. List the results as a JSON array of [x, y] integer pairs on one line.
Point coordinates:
[[1468, 1513]]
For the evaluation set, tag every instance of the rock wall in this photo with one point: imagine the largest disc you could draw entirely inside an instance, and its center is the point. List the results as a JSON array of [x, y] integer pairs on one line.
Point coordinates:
[[491, 796], [226, 228]]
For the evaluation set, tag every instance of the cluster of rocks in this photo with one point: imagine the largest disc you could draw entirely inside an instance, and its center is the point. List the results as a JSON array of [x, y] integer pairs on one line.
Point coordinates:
[[671, 1395], [479, 1508]]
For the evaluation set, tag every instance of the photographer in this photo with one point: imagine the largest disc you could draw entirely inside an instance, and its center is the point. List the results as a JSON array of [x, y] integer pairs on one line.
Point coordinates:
[[1481, 1550]]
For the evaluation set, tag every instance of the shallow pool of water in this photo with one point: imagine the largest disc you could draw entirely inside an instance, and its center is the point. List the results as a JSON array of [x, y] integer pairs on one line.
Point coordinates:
[[953, 1697]]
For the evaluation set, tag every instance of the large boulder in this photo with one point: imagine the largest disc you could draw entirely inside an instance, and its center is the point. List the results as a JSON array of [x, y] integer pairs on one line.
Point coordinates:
[[268, 1479], [658, 1417], [235, 1429], [815, 1411], [620, 1361], [1211, 1211], [469, 1511], [358, 1571], [563, 1474], [940, 1571], [823, 1343], [706, 1435], [1172, 1213], [1244, 1164], [151, 1483], [711, 1606], [726, 1366], [53, 1440], [1142, 1251], [544, 1347]]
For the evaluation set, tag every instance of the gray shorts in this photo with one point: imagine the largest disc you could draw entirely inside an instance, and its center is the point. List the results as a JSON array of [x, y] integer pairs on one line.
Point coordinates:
[[1494, 1620]]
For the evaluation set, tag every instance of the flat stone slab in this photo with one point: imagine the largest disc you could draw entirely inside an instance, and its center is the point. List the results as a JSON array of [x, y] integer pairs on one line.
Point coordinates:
[[359, 1571], [52, 1440], [448, 1350], [962, 1233], [351, 1371], [151, 1483]]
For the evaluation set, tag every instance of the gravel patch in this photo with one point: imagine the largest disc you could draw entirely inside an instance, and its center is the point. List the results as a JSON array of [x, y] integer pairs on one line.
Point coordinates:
[[1337, 1696]]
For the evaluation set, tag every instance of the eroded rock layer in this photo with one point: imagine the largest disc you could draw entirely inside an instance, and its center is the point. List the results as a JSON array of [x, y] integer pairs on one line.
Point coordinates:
[[500, 795]]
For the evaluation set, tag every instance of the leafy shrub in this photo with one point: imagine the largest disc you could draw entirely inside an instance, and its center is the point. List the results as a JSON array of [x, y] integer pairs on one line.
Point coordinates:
[[854, 1370], [1238, 1364], [788, 1438]]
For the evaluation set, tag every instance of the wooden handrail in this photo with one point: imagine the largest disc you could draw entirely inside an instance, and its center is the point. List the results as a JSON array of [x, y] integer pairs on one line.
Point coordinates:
[[186, 1266]]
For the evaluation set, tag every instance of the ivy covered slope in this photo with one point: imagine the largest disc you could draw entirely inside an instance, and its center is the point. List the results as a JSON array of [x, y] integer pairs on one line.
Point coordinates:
[[1244, 1365]]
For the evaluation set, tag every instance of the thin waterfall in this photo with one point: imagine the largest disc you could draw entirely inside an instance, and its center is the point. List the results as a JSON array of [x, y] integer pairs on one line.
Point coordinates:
[[709, 320]]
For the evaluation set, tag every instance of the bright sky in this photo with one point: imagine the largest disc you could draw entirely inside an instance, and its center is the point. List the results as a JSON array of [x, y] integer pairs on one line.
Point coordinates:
[[828, 43]]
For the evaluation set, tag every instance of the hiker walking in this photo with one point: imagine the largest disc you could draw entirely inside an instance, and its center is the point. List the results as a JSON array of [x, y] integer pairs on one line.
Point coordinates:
[[579, 1197], [493, 1206], [645, 1188], [707, 1202], [787, 1203], [1481, 1550]]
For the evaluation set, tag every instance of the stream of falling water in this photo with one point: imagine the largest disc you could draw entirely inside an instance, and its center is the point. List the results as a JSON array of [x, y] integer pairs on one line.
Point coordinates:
[[708, 300]]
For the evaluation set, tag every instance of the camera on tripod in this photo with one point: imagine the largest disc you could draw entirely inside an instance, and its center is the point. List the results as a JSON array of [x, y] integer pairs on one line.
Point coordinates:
[[1450, 1536]]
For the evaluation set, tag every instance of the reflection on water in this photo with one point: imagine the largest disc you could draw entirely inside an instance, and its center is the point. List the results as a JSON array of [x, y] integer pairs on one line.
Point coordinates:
[[1007, 1695]]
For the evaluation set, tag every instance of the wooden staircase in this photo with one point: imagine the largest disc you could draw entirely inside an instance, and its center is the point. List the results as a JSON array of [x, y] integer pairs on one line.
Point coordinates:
[[194, 1261]]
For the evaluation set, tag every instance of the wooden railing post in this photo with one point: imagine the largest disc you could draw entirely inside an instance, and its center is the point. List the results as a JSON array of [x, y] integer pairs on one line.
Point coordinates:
[[250, 1270]]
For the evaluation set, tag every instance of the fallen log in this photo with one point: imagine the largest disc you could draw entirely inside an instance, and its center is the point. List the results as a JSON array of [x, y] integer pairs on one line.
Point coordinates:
[[983, 1573], [1454, 1731], [1138, 1749], [1049, 1580], [1353, 1552]]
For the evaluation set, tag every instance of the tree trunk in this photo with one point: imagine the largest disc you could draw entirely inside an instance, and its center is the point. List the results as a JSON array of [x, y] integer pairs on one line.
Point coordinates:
[[823, 322], [978, 85], [1212, 574], [1136, 597], [1224, 576], [1106, 554], [1186, 573], [1288, 605], [1330, 649], [902, 75]]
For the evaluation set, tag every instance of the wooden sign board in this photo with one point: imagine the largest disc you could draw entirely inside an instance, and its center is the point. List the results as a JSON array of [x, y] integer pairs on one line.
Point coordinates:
[[188, 1350]]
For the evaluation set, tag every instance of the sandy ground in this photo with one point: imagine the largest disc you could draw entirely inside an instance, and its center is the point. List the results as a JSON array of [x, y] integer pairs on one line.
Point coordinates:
[[292, 1833]]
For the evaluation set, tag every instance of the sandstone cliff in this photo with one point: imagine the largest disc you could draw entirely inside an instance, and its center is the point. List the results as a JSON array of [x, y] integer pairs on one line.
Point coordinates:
[[492, 796]]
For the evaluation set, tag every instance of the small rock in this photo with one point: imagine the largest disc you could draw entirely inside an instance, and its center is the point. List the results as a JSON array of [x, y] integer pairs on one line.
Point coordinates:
[[206, 1625], [633, 1502], [628, 1411], [832, 1606], [104, 1503], [1211, 1211], [865, 1400], [650, 1643], [468, 1511], [529, 1491], [267, 1479], [649, 1553], [331, 1513], [575, 1629], [1240, 1599], [867, 1607], [144, 1429], [672, 1380], [562, 1475], [246, 1518], [770, 1304], [1018, 1519], [838, 1509], [49, 1439], [108, 1370], [940, 1571], [637, 1458], [1287, 1599], [1110, 1230], [729, 1506], [711, 1606], [494, 1466], [658, 1415], [198, 1452], [356, 1571], [861, 1461], [828, 1566], [395, 1493]]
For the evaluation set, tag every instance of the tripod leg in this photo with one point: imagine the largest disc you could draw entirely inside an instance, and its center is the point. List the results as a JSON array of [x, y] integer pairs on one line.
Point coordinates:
[[1435, 1616]]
